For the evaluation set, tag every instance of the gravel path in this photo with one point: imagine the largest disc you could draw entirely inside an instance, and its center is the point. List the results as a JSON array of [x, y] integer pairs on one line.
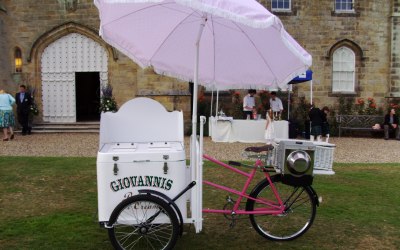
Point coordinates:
[[359, 150]]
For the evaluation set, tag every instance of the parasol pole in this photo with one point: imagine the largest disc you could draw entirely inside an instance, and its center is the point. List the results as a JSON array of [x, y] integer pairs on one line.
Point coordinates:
[[212, 100], [216, 105], [288, 106], [194, 161]]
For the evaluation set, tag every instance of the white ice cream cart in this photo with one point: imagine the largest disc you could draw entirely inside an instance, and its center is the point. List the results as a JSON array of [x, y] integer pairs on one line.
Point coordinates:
[[142, 172], [146, 192]]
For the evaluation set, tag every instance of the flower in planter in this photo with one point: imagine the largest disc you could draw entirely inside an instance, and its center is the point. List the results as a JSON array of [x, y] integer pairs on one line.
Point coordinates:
[[107, 102], [396, 107], [371, 108], [34, 110]]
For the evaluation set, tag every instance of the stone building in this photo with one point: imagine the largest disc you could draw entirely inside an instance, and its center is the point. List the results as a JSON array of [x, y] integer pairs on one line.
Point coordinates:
[[66, 62], [354, 44], [54, 47]]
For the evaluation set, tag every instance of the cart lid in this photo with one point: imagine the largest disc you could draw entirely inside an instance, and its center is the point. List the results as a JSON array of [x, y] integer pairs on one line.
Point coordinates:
[[141, 120], [142, 152]]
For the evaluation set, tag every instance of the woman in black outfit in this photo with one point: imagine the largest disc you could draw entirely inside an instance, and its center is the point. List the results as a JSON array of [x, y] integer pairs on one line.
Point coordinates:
[[325, 124]]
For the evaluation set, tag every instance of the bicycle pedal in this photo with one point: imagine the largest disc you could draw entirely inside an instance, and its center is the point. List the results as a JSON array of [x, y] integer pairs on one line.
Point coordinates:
[[229, 199]]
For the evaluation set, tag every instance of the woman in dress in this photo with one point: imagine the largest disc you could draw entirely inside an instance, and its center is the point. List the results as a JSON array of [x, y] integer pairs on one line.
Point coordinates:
[[269, 127], [7, 120]]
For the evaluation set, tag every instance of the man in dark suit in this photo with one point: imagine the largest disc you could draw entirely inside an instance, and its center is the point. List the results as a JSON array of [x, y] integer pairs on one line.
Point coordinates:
[[391, 123], [24, 102]]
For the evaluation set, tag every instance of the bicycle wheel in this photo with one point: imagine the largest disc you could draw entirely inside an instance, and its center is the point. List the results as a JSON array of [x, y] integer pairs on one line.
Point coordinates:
[[299, 214], [143, 222]]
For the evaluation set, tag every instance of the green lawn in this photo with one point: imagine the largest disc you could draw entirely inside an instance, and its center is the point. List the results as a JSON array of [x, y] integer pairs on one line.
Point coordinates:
[[51, 203]]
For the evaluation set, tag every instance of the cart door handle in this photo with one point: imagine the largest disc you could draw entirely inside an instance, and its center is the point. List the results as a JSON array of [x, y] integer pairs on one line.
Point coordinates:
[[115, 169], [165, 168]]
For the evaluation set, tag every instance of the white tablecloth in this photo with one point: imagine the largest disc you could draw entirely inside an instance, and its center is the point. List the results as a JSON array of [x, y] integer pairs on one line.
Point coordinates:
[[281, 129], [250, 131]]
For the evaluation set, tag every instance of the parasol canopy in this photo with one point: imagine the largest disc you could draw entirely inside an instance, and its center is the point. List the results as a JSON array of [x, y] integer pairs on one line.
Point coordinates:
[[242, 45]]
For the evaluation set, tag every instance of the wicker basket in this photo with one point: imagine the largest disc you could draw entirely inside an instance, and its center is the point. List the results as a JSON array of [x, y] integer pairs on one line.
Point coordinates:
[[323, 160]]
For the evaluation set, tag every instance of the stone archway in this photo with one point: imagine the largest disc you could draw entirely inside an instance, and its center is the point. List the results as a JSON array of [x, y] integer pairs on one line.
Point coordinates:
[[60, 61], [45, 40]]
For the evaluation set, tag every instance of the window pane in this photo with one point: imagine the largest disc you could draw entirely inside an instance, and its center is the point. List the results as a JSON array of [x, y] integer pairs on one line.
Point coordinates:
[[286, 4], [343, 69], [344, 5], [280, 4]]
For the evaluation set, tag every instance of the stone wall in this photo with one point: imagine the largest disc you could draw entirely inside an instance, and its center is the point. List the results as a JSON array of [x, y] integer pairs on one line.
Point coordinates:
[[312, 23], [316, 26], [5, 63], [35, 24], [395, 50]]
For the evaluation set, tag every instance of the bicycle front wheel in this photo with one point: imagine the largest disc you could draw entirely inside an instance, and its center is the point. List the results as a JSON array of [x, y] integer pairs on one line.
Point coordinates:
[[297, 218], [143, 222]]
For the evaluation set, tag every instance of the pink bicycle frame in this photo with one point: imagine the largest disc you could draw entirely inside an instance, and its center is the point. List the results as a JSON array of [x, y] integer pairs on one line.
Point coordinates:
[[271, 207]]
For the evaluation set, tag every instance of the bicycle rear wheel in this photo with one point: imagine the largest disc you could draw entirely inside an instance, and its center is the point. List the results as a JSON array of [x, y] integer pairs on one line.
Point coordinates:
[[143, 222], [299, 214]]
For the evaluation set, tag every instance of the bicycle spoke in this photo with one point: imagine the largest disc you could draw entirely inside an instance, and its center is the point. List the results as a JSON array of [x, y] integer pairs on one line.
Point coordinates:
[[298, 214], [144, 222]]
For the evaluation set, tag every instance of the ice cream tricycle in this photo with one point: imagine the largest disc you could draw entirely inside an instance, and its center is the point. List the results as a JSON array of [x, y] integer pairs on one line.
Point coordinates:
[[146, 192]]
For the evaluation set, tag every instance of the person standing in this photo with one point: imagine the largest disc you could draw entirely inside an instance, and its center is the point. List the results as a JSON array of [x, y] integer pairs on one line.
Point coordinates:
[[276, 105], [315, 115], [325, 125], [269, 128], [7, 120], [391, 123], [24, 102], [249, 104]]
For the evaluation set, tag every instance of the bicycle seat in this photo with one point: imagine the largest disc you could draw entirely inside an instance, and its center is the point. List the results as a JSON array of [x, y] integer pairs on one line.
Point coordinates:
[[264, 148]]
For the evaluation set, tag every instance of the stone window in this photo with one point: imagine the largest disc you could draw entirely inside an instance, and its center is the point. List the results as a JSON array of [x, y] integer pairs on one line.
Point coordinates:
[[343, 70], [344, 5], [18, 60], [281, 5]]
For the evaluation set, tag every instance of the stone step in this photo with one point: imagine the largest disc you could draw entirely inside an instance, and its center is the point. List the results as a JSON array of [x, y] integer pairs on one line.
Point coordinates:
[[46, 131], [61, 127], [66, 123]]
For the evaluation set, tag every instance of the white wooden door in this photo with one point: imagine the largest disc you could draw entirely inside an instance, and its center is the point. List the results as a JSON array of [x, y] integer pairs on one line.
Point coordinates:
[[60, 60]]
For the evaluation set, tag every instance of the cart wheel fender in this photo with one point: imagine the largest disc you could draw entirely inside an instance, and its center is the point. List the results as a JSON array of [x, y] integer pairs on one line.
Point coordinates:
[[314, 195], [169, 201], [276, 177]]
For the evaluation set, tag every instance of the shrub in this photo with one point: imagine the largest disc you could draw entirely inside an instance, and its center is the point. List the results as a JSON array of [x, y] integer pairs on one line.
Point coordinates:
[[237, 105]]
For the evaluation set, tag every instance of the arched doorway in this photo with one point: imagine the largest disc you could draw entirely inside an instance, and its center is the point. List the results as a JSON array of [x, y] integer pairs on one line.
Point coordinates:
[[73, 69]]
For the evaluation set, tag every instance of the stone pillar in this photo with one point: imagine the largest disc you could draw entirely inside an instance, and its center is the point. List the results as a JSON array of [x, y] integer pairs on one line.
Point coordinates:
[[394, 87], [5, 59]]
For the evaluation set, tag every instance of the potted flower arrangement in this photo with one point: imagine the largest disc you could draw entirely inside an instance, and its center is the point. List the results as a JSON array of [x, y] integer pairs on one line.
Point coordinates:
[[107, 102], [33, 109]]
